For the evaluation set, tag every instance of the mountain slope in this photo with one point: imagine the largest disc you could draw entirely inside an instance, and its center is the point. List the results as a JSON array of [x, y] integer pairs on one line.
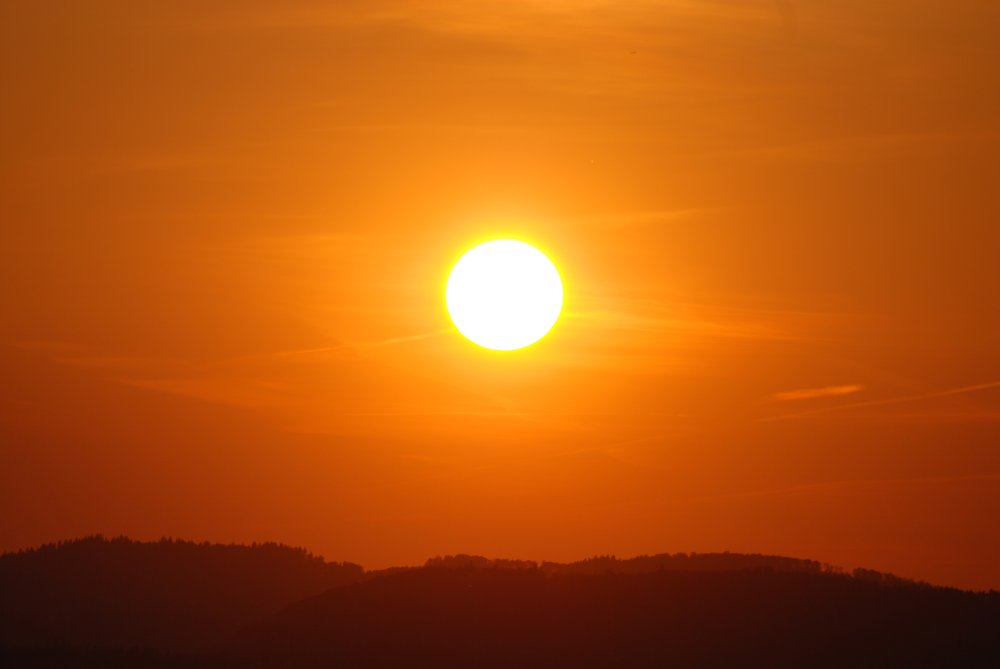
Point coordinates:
[[497, 617], [170, 595], [118, 603]]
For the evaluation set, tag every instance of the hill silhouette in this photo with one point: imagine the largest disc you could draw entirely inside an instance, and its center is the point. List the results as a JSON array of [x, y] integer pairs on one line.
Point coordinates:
[[643, 563], [119, 603], [496, 617], [165, 595]]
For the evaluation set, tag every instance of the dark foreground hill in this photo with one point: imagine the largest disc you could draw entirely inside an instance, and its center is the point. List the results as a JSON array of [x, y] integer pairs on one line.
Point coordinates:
[[720, 610], [472, 617], [168, 595]]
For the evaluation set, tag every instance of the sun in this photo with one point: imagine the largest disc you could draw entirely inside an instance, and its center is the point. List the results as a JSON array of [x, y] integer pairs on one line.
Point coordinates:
[[504, 294]]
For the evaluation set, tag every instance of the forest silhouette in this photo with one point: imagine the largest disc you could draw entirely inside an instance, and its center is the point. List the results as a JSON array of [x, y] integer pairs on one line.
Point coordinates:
[[121, 603]]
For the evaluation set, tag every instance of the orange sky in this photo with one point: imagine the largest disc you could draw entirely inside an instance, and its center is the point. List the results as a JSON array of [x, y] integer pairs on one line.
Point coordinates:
[[225, 230]]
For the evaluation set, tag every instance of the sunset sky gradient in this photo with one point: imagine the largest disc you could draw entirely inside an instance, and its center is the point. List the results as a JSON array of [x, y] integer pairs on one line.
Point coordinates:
[[226, 227]]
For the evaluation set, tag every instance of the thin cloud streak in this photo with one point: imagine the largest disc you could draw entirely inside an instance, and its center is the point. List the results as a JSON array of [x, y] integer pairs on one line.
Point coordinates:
[[889, 401], [813, 393], [823, 486], [362, 345], [619, 320]]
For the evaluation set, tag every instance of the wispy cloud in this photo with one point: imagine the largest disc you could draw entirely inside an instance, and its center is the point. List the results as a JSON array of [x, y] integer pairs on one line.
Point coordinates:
[[708, 320], [361, 345], [892, 400], [813, 393], [620, 320], [861, 485], [652, 216]]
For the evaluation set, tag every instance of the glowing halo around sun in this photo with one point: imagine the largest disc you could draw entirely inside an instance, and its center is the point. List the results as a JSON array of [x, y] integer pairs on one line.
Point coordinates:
[[504, 295]]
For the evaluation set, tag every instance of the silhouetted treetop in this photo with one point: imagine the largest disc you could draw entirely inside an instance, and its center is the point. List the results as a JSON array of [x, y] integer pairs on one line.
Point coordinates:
[[172, 603], [484, 616], [163, 594], [642, 564]]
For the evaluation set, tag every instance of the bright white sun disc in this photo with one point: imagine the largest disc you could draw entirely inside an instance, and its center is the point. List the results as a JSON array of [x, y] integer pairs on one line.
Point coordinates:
[[504, 294]]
